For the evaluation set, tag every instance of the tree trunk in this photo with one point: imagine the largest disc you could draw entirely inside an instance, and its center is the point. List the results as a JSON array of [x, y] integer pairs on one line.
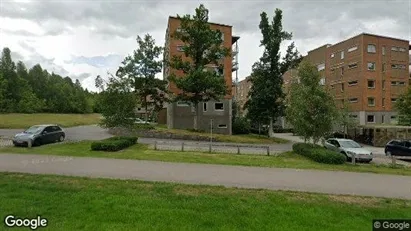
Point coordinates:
[[195, 124], [270, 129]]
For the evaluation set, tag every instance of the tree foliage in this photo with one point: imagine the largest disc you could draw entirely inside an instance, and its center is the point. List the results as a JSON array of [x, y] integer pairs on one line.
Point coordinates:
[[311, 109], [266, 97], [140, 69], [37, 90], [203, 47], [403, 106], [117, 102]]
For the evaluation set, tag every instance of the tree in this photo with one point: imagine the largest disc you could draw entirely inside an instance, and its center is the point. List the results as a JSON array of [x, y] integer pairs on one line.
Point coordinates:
[[202, 49], [266, 97], [311, 109], [403, 106], [141, 68], [117, 102], [344, 118]]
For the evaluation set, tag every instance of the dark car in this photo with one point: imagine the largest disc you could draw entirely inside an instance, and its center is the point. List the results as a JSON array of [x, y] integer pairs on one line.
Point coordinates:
[[39, 135], [398, 148]]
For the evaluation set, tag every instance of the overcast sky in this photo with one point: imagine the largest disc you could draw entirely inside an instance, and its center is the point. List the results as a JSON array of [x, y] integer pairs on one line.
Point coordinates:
[[83, 39]]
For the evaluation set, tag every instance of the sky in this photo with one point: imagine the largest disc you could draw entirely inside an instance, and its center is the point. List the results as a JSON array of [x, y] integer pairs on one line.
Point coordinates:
[[83, 39]]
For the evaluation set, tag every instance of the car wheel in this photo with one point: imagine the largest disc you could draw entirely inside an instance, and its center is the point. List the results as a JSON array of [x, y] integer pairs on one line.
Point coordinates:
[[61, 139], [346, 157], [36, 142]]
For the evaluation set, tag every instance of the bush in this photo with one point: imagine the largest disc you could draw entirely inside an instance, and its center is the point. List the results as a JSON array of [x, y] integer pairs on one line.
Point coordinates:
[[318, 153], [144, 126], [241, 126], [196, 130], [114, 144]]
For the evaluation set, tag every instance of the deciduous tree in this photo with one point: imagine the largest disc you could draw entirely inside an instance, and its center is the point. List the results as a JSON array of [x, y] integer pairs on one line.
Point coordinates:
[[311, 109], [204, 48], [140, 68], [266, 97], [403, 106]]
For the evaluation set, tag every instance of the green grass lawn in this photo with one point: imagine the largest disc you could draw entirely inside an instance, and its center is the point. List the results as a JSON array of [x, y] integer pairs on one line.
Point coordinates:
[[142, 152], [249, 138], [14, 120], [71, 203]]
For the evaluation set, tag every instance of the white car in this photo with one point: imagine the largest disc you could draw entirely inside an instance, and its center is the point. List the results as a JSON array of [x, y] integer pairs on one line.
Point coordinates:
[[349, 148]]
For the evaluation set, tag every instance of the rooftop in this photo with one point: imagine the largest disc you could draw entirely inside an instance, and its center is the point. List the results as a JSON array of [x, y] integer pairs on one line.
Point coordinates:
[[374, 35], [218, 24]]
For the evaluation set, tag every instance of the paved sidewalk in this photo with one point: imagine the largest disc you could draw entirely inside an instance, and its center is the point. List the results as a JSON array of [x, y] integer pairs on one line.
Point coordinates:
[[331, 182]]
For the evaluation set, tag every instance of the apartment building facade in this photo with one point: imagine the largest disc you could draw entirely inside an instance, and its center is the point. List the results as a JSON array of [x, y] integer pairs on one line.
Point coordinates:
[[243, 88], [367, 73], [180, 115]]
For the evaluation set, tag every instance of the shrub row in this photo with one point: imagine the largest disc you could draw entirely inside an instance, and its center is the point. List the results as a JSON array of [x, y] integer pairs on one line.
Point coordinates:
[[146, 126], [318, 153], [241, 126], [264, 131], [114, 144]]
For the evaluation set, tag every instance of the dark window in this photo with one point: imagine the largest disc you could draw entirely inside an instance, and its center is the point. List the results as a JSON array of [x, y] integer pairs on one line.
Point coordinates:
[[407, 144], [219, 106], [56, 128], [370, 118], [48, 129], [222, 126], [204, 106]]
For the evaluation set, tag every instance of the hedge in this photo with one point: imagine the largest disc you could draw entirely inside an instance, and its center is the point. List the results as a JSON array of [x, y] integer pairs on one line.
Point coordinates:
[[241, 126], [318, 153], [114, 144]]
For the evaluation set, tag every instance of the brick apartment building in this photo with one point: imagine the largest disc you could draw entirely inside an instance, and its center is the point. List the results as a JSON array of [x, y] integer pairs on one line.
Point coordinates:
[[180, 114], [368, 72], [243, 88]]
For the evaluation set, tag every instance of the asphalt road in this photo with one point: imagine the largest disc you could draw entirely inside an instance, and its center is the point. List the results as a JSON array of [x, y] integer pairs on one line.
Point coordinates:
[[331, 182]]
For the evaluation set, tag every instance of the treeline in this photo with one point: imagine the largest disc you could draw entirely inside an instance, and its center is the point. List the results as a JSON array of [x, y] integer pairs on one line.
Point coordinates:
[[36, 90]]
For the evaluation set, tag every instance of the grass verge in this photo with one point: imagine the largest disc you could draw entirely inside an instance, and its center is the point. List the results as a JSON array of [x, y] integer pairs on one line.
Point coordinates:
[[15, 120], [249, 138], [142, 152], [71, 203]]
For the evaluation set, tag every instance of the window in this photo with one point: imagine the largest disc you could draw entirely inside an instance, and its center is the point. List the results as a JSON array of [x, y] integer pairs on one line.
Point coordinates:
[[401, 83], [222, 126], [332, 55], [222, 36], [371, 101], [48, 129], [383, 102], [353, 83], [352, 49], [342, 54], [394, 83], [383, 50], [371, 48], [370, 118], [342, 70], [322, 81], [321, 67], [393, 100], [219, 106], [383, 84], [371, 66], [352, 65], [371, 83], [183, 104], [353, 100], [383, 119], [342, 87], [401, 49], [397, 66], [180, 47], [383, 67], [394, 48], [205, 106]]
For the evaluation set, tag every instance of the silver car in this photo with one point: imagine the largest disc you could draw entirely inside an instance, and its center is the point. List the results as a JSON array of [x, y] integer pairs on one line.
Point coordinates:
[[349, 148]]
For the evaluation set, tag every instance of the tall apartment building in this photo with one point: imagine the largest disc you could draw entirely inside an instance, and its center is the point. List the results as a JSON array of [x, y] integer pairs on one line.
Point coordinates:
[[367, 72], [243, 88], [180, 114]]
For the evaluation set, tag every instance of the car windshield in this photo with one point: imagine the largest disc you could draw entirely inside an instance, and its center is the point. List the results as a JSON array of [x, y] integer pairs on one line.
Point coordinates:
[[33, 130], [349, 144]]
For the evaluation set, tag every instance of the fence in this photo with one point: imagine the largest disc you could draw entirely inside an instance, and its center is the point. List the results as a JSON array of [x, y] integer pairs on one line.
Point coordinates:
[[4, 142], [210, 147]]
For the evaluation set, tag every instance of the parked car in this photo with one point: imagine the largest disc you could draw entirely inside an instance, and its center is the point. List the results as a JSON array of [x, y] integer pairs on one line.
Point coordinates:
[[398, 148], [39, 135], [349, 148]]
